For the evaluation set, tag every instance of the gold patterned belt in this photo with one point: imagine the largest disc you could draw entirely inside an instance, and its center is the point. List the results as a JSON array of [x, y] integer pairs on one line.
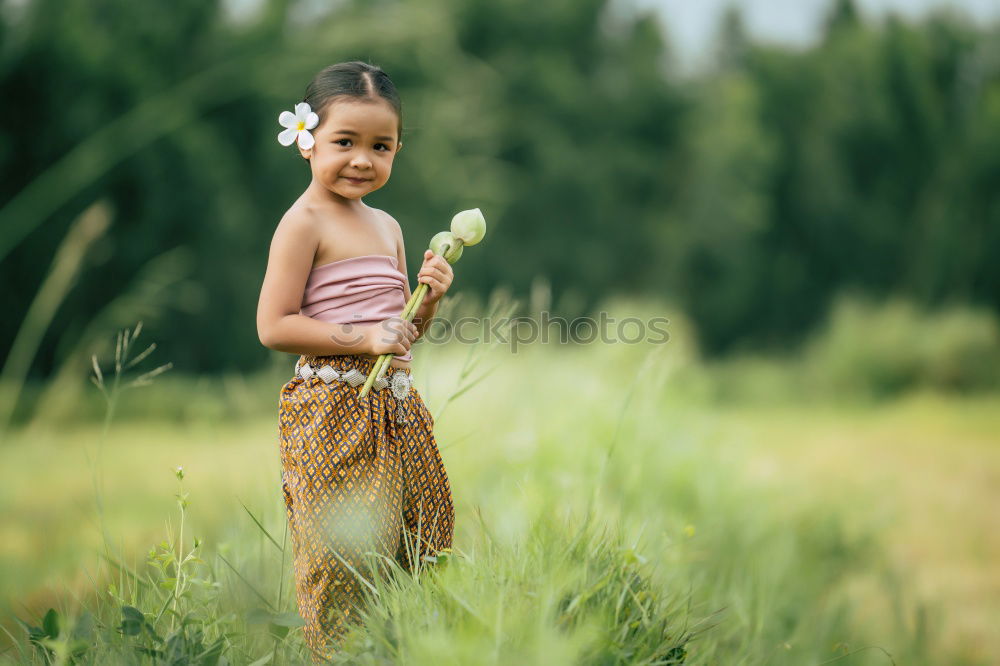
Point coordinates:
[[399, 382]]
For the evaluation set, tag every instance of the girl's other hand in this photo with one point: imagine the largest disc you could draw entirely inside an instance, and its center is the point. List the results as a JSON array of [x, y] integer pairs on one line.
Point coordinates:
[[392, 336], [437, 274]]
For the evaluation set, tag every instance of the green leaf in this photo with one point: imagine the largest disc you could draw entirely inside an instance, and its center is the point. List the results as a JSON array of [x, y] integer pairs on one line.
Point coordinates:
[[50, 623], [34, 633], [132, 621], [212, 655], [289, 619], [259, 616], [278, 624], [277, 631]]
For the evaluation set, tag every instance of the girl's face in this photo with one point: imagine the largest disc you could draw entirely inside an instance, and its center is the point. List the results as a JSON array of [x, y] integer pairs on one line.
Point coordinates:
[[355, 147]]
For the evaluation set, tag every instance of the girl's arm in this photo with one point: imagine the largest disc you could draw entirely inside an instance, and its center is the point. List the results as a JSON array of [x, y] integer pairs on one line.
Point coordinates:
[[279, 324]]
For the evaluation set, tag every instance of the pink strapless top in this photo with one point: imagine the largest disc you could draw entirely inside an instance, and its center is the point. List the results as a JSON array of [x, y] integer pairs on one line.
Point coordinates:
[[358, 290]]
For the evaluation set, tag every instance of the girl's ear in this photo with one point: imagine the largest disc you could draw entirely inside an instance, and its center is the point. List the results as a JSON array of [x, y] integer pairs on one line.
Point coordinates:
[[306, 153], [399, 146]]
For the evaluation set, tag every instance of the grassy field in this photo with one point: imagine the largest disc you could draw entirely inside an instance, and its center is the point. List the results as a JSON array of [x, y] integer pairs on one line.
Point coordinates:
[[604, 515]]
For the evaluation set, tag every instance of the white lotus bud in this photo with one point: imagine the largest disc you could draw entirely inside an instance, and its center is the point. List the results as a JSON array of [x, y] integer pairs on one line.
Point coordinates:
[[447, 245], [469, 225]]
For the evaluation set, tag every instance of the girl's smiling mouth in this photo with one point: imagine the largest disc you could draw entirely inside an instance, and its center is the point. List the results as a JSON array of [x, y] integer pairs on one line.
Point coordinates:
[[355, 181]]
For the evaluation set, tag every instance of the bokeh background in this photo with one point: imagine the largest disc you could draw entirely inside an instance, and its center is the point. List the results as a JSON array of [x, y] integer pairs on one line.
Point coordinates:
[[809, 191]]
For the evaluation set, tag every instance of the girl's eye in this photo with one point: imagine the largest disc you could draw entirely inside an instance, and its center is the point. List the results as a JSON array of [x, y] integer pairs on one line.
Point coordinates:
[[343, 142], [381, 146]]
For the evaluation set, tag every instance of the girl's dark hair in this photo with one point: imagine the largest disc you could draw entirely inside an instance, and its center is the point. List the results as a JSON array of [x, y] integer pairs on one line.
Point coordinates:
[[352, 79]]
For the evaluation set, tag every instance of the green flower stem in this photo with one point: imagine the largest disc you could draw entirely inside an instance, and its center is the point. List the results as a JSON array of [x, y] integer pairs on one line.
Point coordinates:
[[409, 310], [383, 361]]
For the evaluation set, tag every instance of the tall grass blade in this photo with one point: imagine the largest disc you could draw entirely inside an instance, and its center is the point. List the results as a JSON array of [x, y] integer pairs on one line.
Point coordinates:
[[261, 527], [65, 267]]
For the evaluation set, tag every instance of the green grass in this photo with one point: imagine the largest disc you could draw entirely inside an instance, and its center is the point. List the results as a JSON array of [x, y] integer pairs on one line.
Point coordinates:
[[603, 516]]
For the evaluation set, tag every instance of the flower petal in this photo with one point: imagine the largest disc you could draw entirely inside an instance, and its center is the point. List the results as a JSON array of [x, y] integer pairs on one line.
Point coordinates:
[[302, 111], [287, 119], [287, 137], [312, 120], [306, 140]]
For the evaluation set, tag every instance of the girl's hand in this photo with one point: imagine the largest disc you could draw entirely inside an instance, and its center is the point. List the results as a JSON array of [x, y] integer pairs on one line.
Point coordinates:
[[392, 336], [437, 274]]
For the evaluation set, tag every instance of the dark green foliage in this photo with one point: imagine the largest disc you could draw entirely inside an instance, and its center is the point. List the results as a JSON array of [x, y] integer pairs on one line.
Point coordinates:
[[183, 647], [49, 637], [749, 195], [133, 622], [277, 623]]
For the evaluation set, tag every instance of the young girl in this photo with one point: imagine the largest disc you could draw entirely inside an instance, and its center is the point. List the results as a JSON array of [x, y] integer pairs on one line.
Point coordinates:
[[358, 474]]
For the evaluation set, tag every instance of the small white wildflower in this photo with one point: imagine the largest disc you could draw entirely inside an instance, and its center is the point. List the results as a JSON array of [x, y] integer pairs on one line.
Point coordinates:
[[297, 126]]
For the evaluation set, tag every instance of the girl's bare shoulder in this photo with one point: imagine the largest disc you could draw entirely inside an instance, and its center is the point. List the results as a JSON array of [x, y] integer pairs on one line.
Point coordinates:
[[297, 233], [389, 221], [307, 222], [300, 215]]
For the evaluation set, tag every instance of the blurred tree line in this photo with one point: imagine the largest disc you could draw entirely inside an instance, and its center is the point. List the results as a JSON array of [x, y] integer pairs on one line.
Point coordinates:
[[750, 194]]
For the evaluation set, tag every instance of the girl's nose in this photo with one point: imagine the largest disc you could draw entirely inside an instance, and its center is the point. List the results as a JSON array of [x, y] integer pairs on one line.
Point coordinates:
[[361, 161]]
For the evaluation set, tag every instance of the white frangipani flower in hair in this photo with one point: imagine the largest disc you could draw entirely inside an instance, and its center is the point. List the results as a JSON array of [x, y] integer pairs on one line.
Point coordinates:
[[297, 126]]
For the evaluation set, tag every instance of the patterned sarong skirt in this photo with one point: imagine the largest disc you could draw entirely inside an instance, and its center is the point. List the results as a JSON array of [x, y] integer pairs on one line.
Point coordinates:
[[359, 476]]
